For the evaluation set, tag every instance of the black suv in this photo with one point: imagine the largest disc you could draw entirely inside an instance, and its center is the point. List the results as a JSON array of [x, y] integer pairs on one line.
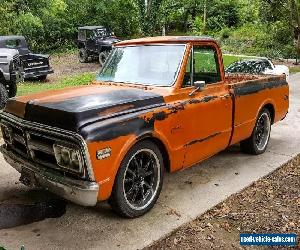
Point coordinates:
[[95, 42], [35, 66]]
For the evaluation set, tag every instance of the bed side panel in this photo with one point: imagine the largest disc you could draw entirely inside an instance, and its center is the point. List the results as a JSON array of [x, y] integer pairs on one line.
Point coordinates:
[[251, 96]]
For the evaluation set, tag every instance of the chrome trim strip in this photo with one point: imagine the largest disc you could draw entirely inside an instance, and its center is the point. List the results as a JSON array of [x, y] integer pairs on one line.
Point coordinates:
[[55, 132]]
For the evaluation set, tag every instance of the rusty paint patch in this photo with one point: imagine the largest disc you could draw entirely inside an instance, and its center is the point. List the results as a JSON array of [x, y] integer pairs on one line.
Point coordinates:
[[202, 139]]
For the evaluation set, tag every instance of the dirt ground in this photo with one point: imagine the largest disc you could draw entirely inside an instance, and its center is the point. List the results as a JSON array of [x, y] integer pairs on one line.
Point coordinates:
[[270, 205], [67, 65]]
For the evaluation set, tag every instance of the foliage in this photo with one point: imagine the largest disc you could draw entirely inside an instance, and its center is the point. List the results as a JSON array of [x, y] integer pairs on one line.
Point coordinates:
[[149, 10], [51, 24], [264, 27]]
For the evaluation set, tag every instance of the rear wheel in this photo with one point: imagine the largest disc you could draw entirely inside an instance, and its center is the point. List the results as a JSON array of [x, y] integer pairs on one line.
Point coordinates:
[[3, 96], [83, 56], [258, 142], [139, 181]]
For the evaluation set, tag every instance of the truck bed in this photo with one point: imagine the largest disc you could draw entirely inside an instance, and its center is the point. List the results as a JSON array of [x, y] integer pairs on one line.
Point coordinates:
[[250, 94]]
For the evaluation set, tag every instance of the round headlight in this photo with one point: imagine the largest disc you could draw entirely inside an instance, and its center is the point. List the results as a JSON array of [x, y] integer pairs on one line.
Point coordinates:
[[75, 158], [65, 155]]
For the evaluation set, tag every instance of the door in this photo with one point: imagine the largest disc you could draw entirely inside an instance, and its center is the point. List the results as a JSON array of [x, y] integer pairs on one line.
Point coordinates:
[[208, 111]]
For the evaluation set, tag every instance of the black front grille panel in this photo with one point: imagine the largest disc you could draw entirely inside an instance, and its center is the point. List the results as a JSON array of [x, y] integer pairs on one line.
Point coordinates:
[[16, 62], [35, 146]]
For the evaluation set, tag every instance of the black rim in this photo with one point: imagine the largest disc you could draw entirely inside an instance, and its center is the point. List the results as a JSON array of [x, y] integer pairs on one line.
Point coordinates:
[[262, 131], [141, 179]]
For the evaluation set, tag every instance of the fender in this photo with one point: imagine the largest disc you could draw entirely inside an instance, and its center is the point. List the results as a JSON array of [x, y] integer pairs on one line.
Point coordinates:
[[118, 135]]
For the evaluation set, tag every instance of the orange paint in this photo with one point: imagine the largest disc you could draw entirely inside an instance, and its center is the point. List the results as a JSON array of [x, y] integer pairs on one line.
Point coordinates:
[[190, 128], [192, 132]]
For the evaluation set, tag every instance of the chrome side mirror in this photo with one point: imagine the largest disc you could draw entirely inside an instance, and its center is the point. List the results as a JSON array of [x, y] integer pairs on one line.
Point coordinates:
[[199, 86]]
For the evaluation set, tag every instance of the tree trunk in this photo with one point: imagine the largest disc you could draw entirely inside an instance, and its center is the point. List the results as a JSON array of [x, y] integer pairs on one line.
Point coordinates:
[[295, 6], [163, 33], [298, 47], [204, 16]]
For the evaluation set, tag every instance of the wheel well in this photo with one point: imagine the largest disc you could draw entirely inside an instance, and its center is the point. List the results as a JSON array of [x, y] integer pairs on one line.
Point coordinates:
[[163, 150], [271, 109]]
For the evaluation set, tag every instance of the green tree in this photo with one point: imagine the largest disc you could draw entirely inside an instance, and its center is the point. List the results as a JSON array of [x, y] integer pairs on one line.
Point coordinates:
[[286, 11], [149, 12]]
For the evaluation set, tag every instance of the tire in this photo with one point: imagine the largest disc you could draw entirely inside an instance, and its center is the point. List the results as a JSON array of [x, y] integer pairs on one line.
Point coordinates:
[[83, 56], [12, 90], [102, 58], [258, 142], [137, 186], [3, 96], [42, 78]]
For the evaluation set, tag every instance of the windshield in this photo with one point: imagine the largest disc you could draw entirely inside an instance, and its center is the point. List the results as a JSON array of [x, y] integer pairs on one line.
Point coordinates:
[[101, 32], [150, 65]]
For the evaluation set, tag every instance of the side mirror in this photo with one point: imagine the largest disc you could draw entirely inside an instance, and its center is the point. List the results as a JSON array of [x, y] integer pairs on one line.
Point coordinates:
[[199, 86]]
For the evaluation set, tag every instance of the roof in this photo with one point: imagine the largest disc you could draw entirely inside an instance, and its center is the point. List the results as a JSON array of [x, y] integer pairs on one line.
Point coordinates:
[[164, 39], [91, 27], [5, 38]]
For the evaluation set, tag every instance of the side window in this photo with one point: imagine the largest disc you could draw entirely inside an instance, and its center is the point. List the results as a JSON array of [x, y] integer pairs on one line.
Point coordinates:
[[206, 65], [89, 34]]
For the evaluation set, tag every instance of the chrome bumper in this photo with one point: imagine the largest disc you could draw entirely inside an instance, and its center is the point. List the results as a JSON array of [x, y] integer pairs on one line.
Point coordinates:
[[84, 193]]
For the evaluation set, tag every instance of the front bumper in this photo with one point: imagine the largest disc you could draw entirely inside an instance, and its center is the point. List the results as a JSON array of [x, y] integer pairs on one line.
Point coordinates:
[[81, 192], [34, 73]]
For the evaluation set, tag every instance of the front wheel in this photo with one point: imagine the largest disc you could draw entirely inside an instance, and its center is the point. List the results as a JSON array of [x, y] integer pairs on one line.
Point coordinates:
[[12, 90], [139, 181], [83, 56], [258, 142]]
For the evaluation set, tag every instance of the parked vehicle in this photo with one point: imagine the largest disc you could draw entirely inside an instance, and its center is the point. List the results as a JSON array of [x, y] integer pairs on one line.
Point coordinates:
[[10, 74], [258, 66], [159, 104], [35, 66], [95, 42]]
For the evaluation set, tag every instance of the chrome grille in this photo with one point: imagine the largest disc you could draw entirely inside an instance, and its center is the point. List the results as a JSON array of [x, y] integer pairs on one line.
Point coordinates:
[[35, 146], [16, 62]]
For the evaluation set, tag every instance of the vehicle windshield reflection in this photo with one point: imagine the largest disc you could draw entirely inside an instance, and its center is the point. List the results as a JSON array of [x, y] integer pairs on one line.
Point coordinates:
[[156, 65]]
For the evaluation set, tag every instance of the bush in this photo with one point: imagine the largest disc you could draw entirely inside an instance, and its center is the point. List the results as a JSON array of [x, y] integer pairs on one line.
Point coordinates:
[[274, 41]]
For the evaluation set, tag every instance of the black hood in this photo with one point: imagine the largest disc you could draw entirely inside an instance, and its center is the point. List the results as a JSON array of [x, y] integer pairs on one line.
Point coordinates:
[[74, 112]]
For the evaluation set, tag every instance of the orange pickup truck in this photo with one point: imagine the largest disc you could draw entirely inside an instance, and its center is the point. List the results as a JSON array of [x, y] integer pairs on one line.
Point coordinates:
[[158, 104]]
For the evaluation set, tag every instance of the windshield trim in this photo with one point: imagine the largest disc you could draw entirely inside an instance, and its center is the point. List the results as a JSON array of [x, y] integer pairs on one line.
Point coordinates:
[[152, 44]]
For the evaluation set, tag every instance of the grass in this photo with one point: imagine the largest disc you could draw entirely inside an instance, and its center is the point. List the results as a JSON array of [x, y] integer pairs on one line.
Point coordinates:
[[32, 87], [294, 69]]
